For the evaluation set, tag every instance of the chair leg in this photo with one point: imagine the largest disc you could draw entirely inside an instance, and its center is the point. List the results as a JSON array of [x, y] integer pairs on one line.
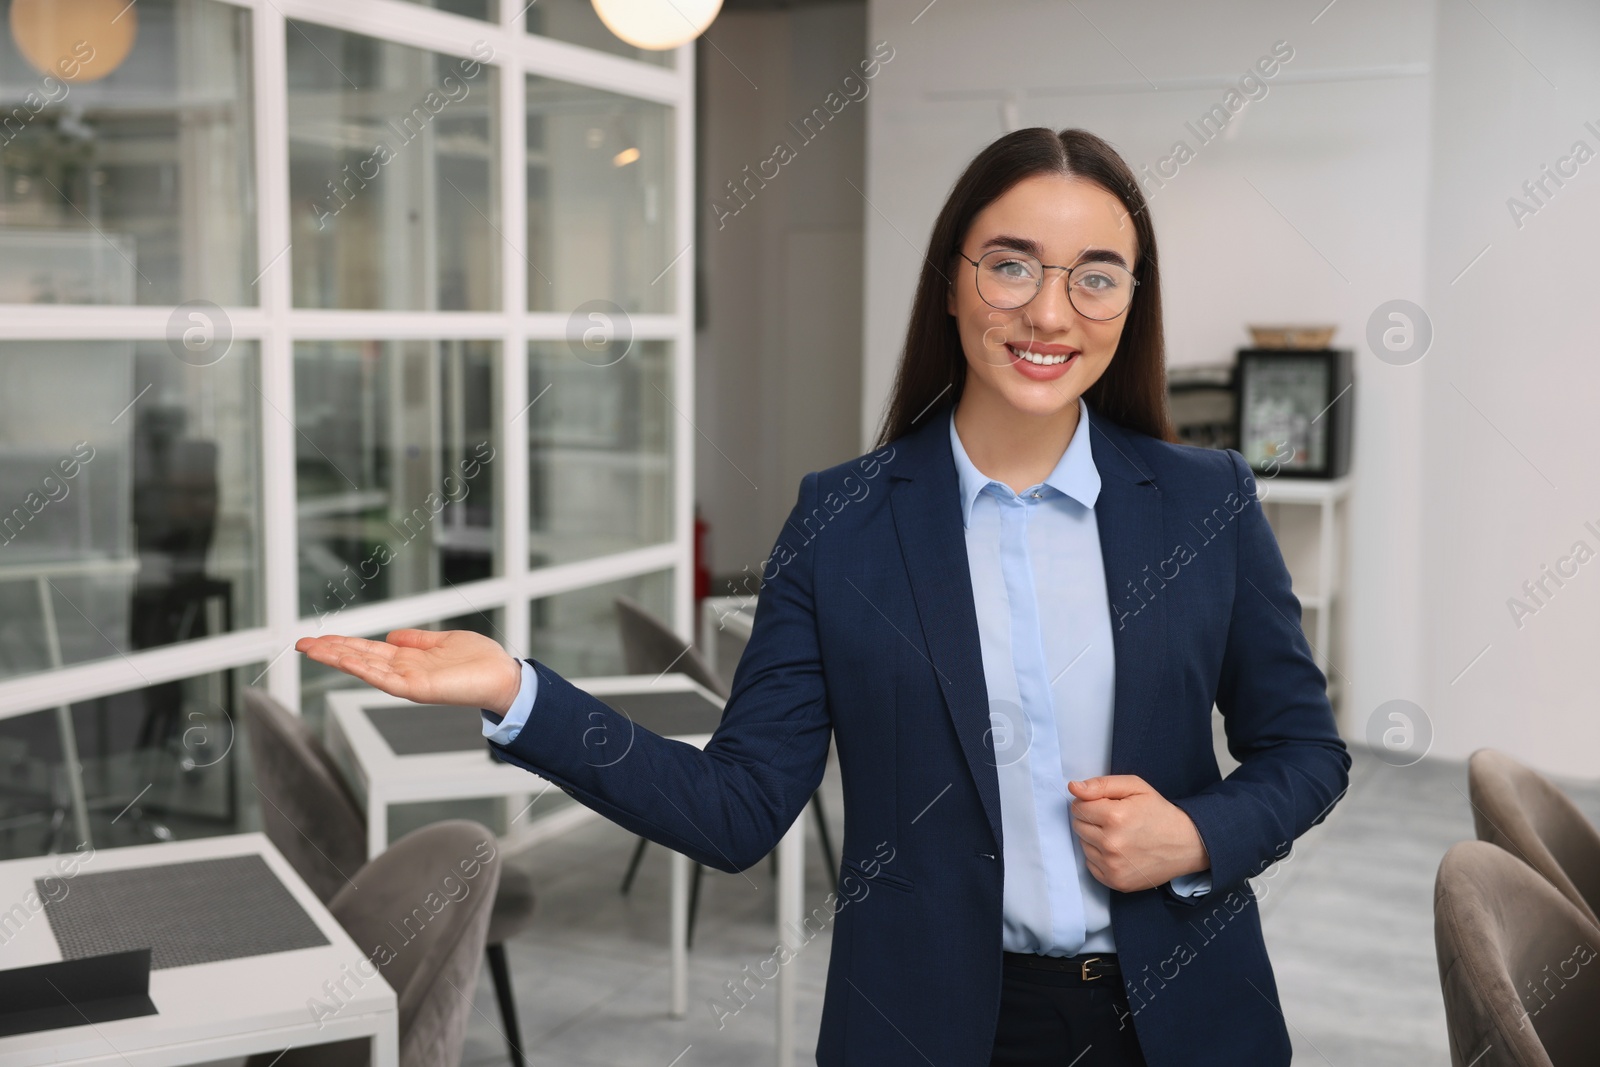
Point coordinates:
[[508, 1006], [694, 903], [822, 833], [633, 865]]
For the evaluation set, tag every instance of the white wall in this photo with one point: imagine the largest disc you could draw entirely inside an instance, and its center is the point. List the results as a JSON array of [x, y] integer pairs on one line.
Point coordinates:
[[1509, 391], [779, 360], [1310, 207], [1377, 167]]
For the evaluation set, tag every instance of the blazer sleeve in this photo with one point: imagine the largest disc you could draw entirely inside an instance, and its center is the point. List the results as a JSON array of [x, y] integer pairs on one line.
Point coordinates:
[[1293, 766], [728, 805]]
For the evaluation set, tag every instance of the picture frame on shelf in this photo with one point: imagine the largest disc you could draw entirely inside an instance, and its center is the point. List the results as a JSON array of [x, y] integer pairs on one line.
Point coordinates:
[[1294, 410]]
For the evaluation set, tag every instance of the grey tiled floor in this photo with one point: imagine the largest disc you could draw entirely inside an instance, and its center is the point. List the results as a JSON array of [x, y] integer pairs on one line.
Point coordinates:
[[1348, 920]]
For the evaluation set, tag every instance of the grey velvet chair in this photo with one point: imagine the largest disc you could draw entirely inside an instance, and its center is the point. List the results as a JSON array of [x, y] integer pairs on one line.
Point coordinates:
[[1523, 812], [1517, 963], [649, 646], [312, 817], [431, 959]]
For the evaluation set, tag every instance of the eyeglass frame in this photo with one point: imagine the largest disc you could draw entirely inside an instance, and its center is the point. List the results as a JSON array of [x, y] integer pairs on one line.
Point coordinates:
[[1040, 288]]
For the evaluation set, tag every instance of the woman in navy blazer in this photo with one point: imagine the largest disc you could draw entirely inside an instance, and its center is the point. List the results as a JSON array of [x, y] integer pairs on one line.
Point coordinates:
[[865, 634]]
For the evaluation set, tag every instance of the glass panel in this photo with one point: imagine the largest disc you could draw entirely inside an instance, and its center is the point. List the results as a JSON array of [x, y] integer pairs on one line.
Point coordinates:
[[156, 764], [392, 175], [129, 499], [575, 22], [394, 468], [575, 633], [487, 10], [135, 187], [599, 199], [600, 450]]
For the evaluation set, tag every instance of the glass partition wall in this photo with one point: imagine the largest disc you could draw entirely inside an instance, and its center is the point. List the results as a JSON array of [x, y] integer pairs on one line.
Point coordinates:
[[320, 317]]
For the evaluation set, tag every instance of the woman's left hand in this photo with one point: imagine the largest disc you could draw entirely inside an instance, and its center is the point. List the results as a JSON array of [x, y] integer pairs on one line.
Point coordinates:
[[1133, 837]]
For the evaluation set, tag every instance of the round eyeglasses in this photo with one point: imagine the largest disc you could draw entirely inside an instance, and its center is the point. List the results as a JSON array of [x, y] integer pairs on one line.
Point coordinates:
[[1008, 278]]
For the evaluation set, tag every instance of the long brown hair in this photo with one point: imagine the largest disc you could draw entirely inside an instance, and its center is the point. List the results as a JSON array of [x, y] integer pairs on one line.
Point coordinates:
[[1133, 390]]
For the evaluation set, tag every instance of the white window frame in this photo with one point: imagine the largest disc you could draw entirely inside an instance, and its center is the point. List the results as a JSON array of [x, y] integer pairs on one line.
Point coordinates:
[[274, 325]]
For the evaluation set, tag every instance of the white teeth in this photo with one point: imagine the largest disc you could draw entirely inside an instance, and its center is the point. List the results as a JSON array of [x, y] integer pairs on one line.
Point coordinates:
[[1037, 359]]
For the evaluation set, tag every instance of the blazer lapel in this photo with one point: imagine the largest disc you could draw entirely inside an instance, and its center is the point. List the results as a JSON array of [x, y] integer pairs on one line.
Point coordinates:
[[927, 518], [1128, 517]]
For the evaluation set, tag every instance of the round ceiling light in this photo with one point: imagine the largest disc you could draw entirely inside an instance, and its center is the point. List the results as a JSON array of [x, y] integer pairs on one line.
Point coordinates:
[[657, 25], [74, 40]]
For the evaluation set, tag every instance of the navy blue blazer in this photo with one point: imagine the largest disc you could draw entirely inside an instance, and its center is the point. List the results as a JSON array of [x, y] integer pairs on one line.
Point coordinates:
[[865, 632]]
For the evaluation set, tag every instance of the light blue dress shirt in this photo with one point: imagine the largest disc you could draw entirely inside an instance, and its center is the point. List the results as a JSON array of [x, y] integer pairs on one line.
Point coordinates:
[[1044, 623]]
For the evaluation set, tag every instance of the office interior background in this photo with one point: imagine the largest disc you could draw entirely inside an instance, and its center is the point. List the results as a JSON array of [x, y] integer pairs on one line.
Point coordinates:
[[404, 219]]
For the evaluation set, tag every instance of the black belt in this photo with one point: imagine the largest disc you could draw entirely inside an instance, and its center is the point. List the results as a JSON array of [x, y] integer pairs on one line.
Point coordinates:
[[1087, 968]]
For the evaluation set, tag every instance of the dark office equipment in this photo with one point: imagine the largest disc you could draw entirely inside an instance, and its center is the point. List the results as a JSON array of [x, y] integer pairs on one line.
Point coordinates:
[[1203, 405], [175, 517], [1295, 410], [94, 989]]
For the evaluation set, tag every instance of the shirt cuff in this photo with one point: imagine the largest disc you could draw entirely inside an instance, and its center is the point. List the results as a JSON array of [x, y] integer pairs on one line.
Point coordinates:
[[505, 730], [1192, 885]]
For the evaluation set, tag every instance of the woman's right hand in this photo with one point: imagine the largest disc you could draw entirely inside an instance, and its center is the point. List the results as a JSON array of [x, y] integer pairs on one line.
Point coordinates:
[[426, 666]]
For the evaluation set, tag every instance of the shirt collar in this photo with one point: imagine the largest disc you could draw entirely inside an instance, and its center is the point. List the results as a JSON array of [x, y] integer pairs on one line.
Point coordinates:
[[1075, 474]]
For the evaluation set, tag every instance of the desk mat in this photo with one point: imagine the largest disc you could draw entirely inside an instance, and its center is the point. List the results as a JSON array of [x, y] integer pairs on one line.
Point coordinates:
[[422, 729], [199, 911]]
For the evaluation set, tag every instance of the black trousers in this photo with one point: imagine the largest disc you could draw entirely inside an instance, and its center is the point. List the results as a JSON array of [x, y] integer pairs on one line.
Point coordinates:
[[1054, 1019]]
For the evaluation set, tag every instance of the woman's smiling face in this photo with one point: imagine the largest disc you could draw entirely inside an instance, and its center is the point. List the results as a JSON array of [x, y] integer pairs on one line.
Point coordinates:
[[1060, 220]]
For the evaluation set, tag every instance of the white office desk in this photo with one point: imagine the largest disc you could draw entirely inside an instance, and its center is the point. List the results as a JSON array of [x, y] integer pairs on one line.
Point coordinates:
[[386, 778], [206, 1011]]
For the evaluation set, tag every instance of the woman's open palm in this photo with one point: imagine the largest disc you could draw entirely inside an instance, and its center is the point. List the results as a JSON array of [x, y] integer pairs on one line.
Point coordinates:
[[426, 666]]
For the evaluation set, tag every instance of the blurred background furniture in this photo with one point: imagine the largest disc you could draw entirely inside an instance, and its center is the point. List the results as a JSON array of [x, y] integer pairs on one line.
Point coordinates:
[[433, 965], [400, 752], [1516, 963], [649, 646], [1309, 518], [1523, 812], [76, 805], [175, 520], [1202, 401], [248, 994], [1309, 515], [313, 817]]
